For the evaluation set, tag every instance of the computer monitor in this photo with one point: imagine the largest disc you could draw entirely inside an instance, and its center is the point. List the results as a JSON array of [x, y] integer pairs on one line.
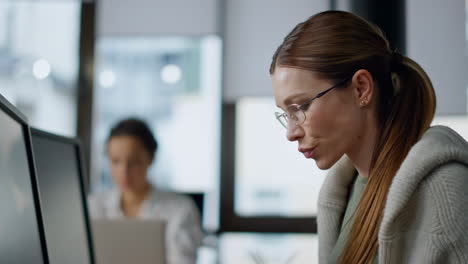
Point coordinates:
[[21, 230], [61, 187]]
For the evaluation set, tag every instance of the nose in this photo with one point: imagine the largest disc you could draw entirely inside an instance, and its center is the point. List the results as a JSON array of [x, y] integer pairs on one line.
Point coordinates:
[[294, 132], [122, 169]]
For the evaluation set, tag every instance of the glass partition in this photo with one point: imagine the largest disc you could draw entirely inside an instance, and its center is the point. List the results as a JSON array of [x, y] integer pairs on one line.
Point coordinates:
[[248, 248], [173, 83], [272, 177], [39, 61]]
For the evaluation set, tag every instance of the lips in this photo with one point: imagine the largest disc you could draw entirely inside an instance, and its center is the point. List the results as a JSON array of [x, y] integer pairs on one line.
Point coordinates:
[[308, 152]]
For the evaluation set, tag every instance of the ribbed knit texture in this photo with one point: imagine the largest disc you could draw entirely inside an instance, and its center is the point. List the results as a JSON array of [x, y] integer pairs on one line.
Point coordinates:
[[426, 213]]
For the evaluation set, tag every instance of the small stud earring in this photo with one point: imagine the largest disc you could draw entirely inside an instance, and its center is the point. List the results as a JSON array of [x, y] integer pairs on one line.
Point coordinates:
[[363, 102]]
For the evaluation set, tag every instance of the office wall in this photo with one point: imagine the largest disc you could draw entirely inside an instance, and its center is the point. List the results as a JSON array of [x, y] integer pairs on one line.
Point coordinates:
[[252, 32], [251, 29], [156, 17], [436, 39]]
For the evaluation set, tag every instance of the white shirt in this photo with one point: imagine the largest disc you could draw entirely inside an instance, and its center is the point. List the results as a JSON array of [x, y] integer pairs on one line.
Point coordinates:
[[183, 233]]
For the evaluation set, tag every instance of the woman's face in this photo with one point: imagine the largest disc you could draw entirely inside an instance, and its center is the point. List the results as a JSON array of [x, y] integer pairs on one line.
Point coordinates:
[[129, 162], [333, 122]]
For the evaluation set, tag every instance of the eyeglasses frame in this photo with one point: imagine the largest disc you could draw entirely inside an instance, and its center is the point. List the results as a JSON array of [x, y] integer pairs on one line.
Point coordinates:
[[301, 107]]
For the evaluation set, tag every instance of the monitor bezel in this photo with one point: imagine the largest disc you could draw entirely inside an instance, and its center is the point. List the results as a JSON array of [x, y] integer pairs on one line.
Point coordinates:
[[81, 171], [21, 119]]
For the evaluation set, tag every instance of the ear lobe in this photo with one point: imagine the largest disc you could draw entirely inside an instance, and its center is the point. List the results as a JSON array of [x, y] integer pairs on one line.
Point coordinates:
[[364, 87]]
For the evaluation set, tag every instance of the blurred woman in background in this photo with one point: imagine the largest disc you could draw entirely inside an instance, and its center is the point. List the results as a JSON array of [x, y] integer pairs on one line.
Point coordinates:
[[131, 149]]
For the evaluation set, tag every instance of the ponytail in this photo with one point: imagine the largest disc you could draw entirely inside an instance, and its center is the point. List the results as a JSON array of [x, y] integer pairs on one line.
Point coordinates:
[[408, 115]]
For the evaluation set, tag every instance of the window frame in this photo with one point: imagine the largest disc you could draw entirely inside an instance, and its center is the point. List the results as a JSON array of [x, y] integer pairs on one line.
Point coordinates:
[[229, 220]]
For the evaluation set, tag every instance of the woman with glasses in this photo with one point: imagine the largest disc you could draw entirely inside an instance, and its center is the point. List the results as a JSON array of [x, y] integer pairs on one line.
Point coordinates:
[[396, 191], [131, 148]]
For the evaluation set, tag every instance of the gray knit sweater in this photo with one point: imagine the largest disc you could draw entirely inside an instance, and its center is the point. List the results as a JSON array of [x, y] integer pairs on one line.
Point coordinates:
[[426, 213]]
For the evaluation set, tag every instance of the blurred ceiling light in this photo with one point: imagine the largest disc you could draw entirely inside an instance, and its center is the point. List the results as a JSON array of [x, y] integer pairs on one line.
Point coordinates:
[[171, 73], [107, 79], [41, 69]]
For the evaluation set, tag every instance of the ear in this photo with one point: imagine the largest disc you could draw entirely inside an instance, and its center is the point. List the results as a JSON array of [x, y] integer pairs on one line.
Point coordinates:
[[364, 87]]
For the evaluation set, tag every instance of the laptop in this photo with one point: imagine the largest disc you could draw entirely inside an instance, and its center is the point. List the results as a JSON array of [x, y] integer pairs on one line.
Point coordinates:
[[129, 241]]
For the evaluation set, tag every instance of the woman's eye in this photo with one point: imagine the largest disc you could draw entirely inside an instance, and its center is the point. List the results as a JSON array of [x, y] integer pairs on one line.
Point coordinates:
[[305, 106]]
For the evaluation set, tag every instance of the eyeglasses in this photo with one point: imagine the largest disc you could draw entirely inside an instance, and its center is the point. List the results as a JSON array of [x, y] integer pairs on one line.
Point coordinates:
[[296, 112]]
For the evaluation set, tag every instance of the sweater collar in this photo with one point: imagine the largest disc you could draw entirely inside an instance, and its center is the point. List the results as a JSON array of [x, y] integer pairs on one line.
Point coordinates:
[[440, 145]]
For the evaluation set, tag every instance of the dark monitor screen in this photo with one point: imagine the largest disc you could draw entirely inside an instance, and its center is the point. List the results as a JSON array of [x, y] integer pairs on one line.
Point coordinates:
[[21, 237], [62, 195]]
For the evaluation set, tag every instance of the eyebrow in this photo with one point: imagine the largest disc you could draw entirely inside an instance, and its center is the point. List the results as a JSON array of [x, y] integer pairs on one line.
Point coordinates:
[[291, 98]]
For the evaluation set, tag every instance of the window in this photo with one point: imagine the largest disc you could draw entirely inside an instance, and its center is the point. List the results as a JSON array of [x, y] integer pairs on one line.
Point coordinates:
[[173, 83], [39, 61], [266, 185], [271, 177], [240, 248]]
